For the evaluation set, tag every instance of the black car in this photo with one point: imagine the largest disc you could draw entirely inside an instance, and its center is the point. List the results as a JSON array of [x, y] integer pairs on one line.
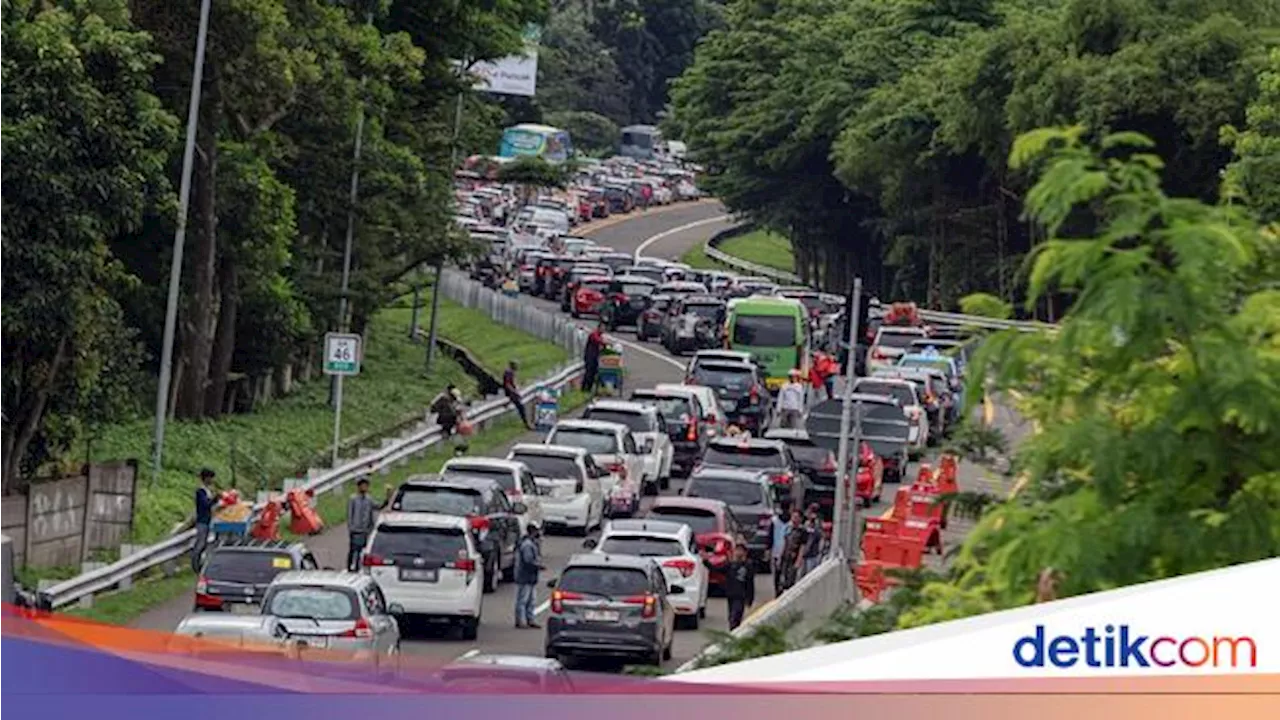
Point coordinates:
[[238, 572], [649, 322], [626, 300], [684, 418], [741, 391], [494, 519], [619, 198], [790, 485], [750, 498], [815, 461], [693, 323], [611, 606]]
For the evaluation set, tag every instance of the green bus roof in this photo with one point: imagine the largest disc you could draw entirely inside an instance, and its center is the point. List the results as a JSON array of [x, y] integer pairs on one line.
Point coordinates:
[[766, 306]]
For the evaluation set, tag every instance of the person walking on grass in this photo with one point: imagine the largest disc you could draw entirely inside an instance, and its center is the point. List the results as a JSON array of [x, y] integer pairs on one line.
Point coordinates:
[[740, 585], [528, 564], [361, 514], [512, 390], [205, 500]]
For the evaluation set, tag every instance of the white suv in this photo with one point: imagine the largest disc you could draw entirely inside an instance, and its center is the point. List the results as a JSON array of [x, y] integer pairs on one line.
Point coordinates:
[[673, 547], [613, 448], [650, 432], [428, 565], [569, 481], [516, 479]]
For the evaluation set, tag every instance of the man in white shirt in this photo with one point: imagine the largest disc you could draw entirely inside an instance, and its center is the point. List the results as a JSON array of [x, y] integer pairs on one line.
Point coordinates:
[[791, 401]]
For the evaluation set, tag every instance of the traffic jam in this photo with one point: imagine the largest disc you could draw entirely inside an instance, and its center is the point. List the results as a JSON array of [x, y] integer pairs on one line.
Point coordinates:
[[667, 488]]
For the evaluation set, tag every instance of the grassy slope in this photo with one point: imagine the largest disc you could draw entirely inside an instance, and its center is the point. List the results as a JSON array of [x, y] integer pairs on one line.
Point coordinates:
[[762, 248], [289, 434]]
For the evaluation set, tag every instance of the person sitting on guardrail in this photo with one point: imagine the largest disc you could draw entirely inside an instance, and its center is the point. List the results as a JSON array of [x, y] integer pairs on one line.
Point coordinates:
[[206, 498], [740, 585], [448, 408]]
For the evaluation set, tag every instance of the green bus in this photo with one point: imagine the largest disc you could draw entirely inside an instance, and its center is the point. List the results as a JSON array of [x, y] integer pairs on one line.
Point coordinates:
[[775, 330]]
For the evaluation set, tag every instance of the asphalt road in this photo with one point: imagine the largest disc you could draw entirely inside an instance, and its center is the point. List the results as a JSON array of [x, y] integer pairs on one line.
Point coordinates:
[[666, 233]]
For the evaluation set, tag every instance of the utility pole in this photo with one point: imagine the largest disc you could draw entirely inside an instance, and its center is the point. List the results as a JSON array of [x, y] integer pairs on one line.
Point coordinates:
[[346, 271], [842, 529], [179, 240], [435, 291]]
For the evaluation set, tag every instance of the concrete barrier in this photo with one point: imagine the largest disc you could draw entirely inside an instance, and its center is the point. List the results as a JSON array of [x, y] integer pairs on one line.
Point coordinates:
[[818, 594]]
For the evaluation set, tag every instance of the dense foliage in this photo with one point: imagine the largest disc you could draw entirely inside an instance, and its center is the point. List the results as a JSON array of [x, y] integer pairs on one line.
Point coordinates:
[[877, 139]]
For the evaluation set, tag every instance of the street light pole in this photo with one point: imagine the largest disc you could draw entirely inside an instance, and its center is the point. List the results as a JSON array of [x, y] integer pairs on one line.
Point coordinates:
[[179, 240], [435, 291], [844, 503]]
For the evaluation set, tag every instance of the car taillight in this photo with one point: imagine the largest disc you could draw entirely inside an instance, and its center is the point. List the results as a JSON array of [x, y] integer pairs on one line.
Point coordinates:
[[649, 602], [781, 479], [371, 560], [463, 564], [479, 522], [684, 565], [692, 436], [618, 468], [558, 597], [360, 630]]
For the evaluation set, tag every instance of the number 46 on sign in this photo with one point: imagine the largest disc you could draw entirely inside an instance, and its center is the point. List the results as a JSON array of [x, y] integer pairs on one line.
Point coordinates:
[[341, 354]]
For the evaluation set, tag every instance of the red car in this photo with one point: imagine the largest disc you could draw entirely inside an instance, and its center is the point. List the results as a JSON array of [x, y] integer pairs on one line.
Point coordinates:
[[589, 295], [870, 476], [714, 529]]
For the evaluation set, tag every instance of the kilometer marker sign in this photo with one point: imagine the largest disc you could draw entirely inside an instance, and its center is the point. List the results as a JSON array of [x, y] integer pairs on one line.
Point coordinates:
[[341, 354]]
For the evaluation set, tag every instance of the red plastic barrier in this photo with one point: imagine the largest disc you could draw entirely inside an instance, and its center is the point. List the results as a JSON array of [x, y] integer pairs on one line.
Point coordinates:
[[882, 525], [305, 520], [267, 526], [871, 581]]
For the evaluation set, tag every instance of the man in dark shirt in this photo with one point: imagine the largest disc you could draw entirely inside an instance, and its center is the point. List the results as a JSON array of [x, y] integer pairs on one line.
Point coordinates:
[[512, 390], [740, 585], [591, 358], [205, 500]]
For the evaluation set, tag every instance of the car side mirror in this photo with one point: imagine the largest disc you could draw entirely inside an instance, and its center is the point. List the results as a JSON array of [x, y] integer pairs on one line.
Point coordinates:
[[675, 590], [519, 508], [590, 543], [551, 583], [395, 610]]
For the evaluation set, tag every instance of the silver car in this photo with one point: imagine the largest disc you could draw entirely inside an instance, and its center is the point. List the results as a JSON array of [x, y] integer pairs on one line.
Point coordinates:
[[340, 612], [209, 633]]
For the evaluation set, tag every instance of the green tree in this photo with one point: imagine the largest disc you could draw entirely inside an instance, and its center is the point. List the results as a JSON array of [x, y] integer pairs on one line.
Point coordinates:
[[85, 145], [592, 134], [1254, 177]]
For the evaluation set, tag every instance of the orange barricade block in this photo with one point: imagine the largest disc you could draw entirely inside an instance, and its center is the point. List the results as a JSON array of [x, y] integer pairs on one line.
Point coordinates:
[[267, 526], [871, 581], [305, 520], [882, 526], [946, 477], [926, 475]]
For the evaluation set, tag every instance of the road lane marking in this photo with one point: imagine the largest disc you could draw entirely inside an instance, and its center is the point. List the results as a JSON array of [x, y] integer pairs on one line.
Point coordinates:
[[679, 229]]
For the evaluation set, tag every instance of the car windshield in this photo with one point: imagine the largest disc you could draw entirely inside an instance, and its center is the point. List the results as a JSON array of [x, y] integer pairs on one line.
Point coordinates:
[[764, 330], [913, 362], [611, 582], [502, 476], [247, 566], [901, 393], [319, 603], [556, 467], [896, 339], [597, 285], [641, 545], [736, 379], [596, 442], [810, 454], [700, 521], [711, 311], [762, 458], [443, 500], [673, 409], [421, 542], [638, 422], [731, 492], [637, 289]]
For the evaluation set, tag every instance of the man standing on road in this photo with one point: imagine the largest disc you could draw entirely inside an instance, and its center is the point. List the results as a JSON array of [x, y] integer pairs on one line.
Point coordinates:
[[528, 563], [204, 518], [791, 401], [591, 359], [512, 390], [813, 540], [780, 531], [793, 550], [740, 585], [361, 513]]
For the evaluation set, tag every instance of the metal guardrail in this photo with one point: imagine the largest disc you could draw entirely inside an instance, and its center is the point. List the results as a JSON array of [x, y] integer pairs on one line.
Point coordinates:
[[814, 597], [931, 316], [113, 575]]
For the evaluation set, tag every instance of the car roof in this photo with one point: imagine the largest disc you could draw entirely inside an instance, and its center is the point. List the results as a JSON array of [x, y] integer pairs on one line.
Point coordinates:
[[639, 279], [609, 560], [752, 442], [457, 482], [625, 406], [557, 450], [726, 365], [513, 466], [227, 621], [598, 425], [716, 506], [785, 434], [423, 519], [333, 578], [702, 300], [695, 390], [872, 398], [252, 544], [514, 662], [724, 355], [722, 473], [634, 526]]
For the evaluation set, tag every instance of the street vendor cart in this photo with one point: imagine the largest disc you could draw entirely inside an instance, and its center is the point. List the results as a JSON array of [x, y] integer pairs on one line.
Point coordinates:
[[612, 369]]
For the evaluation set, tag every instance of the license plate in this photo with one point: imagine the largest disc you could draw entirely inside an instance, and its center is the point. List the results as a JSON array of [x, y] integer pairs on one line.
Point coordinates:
[[412, 575], [601, 615], [314, 641]]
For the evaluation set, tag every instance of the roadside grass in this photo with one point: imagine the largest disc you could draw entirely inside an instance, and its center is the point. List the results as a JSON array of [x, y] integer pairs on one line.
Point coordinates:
[[762, 248], [698, 259], [120, 608], [287, 435]]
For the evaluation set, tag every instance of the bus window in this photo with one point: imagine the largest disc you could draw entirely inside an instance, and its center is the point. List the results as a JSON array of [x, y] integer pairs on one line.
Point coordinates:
[[764, 330]]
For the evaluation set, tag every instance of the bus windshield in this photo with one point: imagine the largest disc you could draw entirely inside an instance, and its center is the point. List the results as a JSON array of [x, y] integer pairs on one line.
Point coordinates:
[[764, 330]]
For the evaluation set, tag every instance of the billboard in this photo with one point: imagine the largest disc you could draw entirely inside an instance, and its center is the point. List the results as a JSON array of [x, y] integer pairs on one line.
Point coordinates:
[[514, 74]]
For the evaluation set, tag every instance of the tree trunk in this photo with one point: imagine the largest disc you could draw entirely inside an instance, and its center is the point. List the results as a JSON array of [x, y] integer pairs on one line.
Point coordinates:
[[225, 339], [202, 310], [29, 418]]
